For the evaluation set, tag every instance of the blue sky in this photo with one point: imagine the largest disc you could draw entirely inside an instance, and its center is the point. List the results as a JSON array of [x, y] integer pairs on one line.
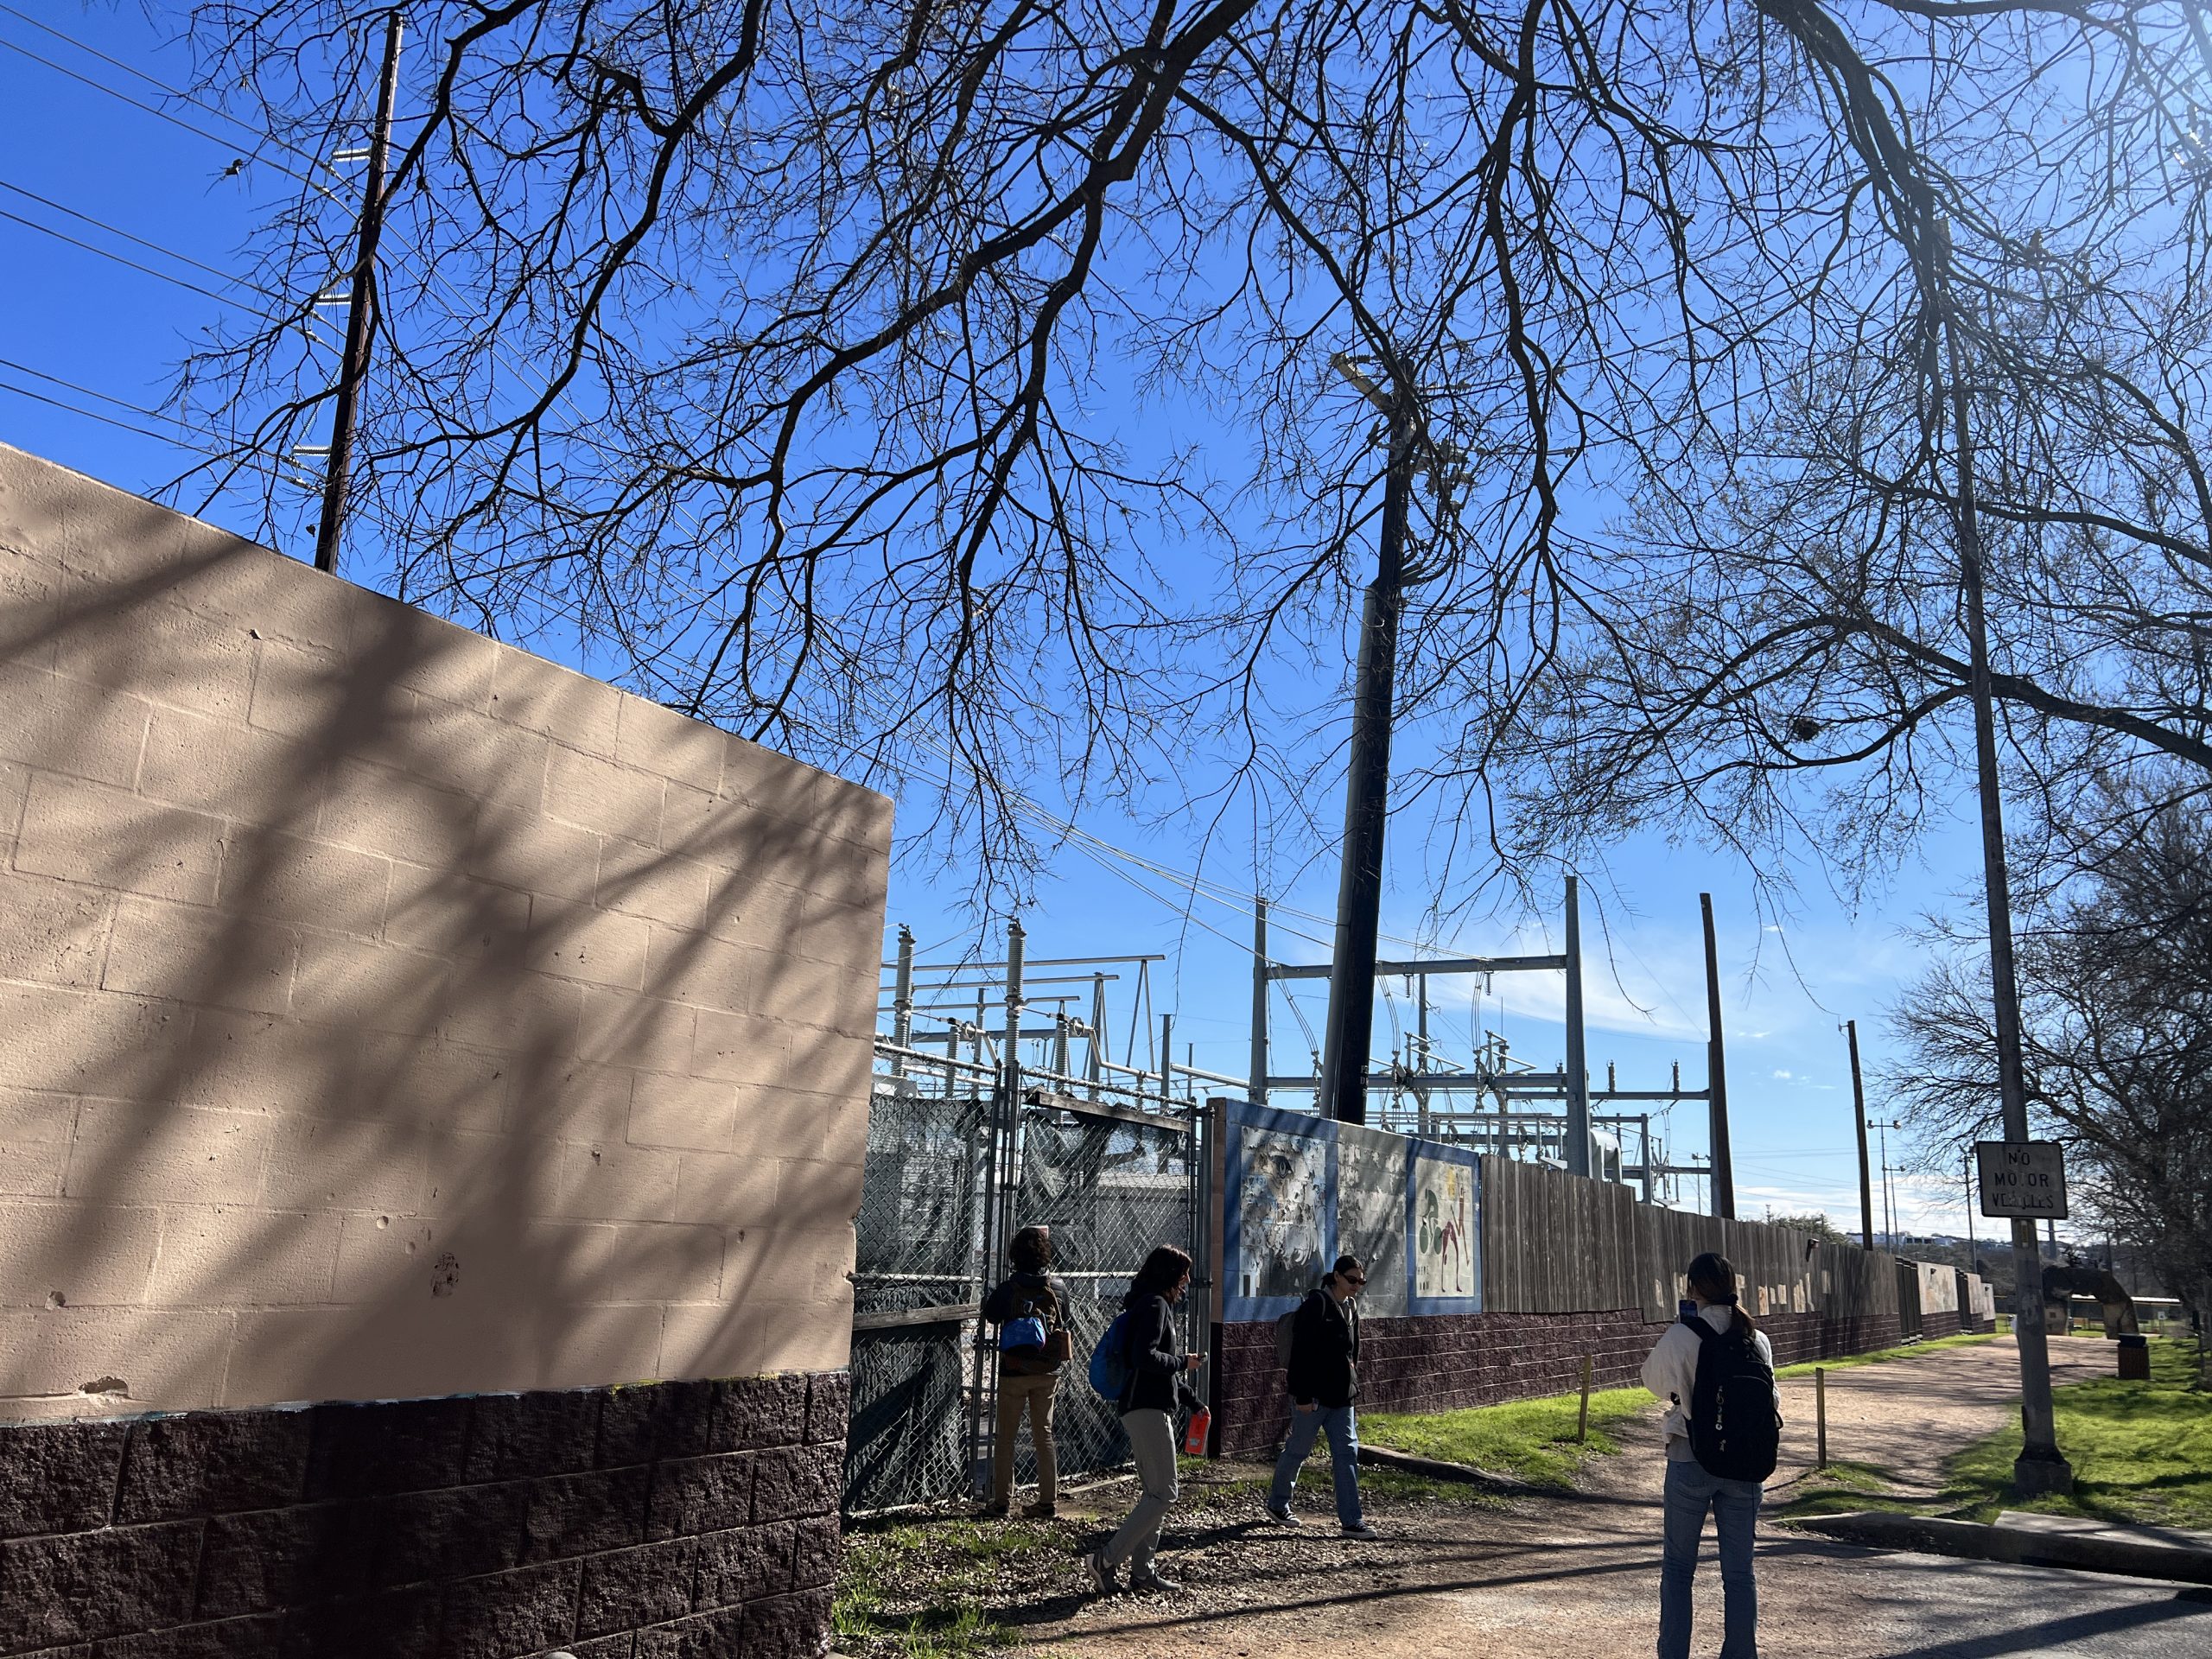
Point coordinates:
[[88, 330]]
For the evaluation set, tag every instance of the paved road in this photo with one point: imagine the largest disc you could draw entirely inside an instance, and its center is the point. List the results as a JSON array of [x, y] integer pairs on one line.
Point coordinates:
[[1579, 1579]]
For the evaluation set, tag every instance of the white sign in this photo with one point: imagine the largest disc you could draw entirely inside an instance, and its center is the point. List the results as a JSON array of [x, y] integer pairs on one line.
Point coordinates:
[[2022, 1177]]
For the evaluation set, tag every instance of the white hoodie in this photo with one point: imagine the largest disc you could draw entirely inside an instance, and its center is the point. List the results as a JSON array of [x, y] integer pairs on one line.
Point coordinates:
[[1671, 1372]]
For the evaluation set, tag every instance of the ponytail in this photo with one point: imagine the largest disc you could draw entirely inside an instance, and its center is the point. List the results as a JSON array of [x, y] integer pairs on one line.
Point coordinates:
[[1712, 1279]]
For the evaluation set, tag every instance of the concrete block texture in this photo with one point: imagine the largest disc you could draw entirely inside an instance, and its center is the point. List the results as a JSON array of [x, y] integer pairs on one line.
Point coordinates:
[[386, 1012], [491, 1527]]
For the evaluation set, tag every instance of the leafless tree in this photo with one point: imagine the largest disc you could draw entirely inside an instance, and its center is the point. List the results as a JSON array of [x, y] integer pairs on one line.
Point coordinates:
[[2116, 993], [942, 390]]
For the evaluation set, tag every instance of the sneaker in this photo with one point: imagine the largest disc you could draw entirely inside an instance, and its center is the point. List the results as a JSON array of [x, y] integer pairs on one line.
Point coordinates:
[[1154, 1584], [1041, 1511], [1101, 1574], [1280, 1513], [1359, 1530]]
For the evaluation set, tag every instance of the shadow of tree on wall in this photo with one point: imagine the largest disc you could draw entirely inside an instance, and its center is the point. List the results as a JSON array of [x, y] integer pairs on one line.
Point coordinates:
[[444, 1021]]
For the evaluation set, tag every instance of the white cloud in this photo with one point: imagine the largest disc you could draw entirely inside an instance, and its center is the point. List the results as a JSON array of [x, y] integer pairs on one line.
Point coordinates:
[[1782, 1074]]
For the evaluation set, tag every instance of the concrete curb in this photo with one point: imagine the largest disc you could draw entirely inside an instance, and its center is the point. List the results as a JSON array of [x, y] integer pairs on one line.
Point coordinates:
[[2029, 1540]]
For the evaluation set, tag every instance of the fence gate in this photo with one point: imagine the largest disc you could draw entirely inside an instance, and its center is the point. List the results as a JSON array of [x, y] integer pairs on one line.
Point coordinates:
[[952, 1172], [1111, 1182]]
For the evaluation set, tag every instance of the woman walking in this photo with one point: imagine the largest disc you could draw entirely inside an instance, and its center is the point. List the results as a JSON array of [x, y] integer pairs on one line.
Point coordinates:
[[1028, 1303], [1716, 1370], [1155, 1385]]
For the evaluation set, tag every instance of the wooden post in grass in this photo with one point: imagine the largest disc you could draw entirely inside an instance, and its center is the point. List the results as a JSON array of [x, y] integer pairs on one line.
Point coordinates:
[[1582, 1418], [1820, 1416]]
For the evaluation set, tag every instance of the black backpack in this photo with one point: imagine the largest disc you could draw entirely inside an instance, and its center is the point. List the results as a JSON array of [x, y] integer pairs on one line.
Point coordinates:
[[1735, 1418]]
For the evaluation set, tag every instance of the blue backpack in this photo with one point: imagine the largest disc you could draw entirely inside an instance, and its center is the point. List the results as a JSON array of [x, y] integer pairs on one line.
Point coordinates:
[[1109, 1365]]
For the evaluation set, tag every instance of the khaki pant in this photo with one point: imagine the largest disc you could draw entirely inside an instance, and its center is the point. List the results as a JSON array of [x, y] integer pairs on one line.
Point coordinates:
[[1152, 1448], [1035, 1393]]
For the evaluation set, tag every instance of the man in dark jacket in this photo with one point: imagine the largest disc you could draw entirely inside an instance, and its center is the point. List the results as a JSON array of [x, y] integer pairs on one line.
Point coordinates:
[[1323, 1378]]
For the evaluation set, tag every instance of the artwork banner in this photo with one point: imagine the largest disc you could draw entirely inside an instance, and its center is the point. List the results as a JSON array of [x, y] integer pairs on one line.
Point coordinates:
[[1371, 1168], [1282, 1214], [1445, 1234]]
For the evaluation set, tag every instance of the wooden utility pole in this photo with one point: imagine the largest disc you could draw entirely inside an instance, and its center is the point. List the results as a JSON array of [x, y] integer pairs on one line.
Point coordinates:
[[1716, 1056], [360, 311], [1858, 1119], [1348, 1034]]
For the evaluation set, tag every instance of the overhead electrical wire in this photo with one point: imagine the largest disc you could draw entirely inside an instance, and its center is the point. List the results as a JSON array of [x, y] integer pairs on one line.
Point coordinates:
[[88, 414], [1196, 886], [155, 247], [107, 253]]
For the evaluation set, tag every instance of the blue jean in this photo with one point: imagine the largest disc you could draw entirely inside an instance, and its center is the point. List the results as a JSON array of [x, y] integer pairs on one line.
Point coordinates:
[[1735, 1506], [1341, 1423]]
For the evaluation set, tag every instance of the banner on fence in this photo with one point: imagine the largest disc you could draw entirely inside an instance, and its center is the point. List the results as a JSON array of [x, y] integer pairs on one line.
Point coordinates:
[[1299, 1191]]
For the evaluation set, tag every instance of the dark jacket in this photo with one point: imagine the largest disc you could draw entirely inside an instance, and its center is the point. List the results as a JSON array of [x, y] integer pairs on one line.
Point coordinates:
[[1324, 1351], [1156, 1364], [1014, 1296]]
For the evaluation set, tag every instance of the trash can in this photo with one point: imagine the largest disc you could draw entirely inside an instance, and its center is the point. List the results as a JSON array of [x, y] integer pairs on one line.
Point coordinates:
[[2135, 1359]]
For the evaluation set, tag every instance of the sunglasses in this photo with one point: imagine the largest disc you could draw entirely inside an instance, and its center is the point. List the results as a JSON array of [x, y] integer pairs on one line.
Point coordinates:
[[1354, 1278]]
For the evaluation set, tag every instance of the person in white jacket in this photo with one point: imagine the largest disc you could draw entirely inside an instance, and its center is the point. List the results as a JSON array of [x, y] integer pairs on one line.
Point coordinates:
[[1671, 1374]]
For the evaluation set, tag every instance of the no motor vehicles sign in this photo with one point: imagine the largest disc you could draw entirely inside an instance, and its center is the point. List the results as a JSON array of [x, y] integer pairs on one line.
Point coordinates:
[[2022, 1177]]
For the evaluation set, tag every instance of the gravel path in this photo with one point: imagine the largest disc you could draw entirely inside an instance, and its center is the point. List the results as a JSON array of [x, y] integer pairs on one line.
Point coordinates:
[[1576, 1577]]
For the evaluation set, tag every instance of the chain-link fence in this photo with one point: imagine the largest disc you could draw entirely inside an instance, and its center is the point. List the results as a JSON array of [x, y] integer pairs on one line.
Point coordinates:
[[950, 1175], [916, 1287], [1111, 1188]]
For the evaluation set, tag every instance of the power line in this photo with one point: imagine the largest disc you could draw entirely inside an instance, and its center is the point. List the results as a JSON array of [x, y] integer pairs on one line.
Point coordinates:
[[120, 259], [260, 135], [1196, 886], [155, 247], [120, 403], [89, 414], [98, 86]]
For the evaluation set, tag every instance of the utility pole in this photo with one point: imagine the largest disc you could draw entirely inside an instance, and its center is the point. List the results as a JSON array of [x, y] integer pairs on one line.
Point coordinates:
[[360, 311], [1973, 1248], [2041, 1467], [1256, 1088], [1889, 1203], [1578, 1072], [1858, 1118], [1716, 1061], [1349, 1033], [1420, 1064], [902, 1001]]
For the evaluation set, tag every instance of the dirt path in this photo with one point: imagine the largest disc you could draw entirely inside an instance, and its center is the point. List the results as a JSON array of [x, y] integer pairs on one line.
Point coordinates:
[[1576, 1577], [1906, 1415]]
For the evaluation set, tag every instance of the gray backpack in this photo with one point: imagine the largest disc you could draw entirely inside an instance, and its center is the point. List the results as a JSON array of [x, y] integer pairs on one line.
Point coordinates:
[[1285, 1336]]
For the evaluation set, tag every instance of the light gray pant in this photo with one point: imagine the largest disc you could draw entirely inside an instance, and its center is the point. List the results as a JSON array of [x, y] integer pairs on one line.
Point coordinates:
[[1151, 1446]]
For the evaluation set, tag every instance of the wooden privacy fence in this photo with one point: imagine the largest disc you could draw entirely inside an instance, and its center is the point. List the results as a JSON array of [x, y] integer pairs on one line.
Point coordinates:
[[1559, 1243]]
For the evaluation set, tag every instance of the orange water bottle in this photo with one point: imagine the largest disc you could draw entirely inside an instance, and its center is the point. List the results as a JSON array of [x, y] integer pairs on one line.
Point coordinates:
[[1195, 1432]]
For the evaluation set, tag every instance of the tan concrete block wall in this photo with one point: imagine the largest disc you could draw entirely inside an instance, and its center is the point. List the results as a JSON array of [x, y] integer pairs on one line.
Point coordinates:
[[385, 1011]]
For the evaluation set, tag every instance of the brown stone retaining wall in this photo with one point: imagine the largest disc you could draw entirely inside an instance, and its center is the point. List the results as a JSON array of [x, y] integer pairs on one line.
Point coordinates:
[[640, 1522], [1446, 1363]]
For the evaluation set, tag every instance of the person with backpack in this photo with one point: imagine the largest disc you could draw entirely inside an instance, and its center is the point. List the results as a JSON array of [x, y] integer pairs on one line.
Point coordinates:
[[1715, 1368], [1030, 1309], [1139, 1363], [1317, 1343]]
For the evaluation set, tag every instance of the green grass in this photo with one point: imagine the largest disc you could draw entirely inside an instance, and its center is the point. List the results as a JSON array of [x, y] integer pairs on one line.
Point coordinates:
[[1879, 1356], [955, 1559], [1529, 1439], [1842, 1485], [2141, 1452]]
